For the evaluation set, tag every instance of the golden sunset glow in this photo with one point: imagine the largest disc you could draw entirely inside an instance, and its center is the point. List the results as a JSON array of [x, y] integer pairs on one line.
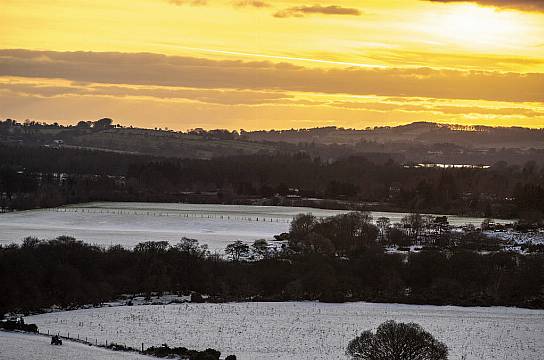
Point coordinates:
[[485, 27], [272, 64]]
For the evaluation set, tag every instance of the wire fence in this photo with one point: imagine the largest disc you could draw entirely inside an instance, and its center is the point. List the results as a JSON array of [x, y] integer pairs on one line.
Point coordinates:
[[93, 341], [186, 215]]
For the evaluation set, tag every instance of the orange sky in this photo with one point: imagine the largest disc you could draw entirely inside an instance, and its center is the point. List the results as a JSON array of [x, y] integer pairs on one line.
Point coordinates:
[[258, 64]]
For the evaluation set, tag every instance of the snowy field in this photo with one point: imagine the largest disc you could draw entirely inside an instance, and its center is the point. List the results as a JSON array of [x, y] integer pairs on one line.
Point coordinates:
[[303, 330], [14, 345], [131, 223]]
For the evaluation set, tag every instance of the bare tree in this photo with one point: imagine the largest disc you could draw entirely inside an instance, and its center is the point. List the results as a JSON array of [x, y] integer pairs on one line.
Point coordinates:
[[415, 222], [237, 250], [397, 341], [383, 224], [192, 248]]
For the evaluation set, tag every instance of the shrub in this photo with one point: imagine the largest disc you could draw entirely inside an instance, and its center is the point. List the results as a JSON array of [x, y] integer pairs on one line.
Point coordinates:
[[397, 341], [11, 325], [165, 351], [197, 298]]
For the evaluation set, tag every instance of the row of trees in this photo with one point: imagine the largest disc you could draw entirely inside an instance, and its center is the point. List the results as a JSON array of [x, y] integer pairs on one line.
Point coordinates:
[[345, 234], [501, 191], [67, 272]]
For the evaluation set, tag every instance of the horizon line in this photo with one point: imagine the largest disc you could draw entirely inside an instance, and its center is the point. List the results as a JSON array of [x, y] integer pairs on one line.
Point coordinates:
[[68, 123]]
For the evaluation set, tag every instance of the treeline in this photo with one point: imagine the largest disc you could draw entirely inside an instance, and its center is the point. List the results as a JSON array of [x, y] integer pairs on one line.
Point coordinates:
[[39, 176], [41, 159], [344, 234], [413, 143], [67, 272]]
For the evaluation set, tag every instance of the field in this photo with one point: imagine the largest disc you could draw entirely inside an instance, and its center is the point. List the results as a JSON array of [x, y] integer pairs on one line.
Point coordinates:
[[131, 223], [303, 330], [34, 347]]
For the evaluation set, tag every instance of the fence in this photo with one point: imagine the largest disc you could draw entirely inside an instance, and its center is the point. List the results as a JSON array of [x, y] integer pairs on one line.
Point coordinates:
[[89, 341], [186, 215]]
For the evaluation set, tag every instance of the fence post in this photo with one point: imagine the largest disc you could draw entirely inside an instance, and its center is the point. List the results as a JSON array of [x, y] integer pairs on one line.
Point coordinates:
[[142, 347]]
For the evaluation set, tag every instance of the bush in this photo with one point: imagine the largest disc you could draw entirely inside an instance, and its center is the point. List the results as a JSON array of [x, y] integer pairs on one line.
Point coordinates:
[[197, 298], [165, 351], [11, 325], [397, 341], [119, 347]]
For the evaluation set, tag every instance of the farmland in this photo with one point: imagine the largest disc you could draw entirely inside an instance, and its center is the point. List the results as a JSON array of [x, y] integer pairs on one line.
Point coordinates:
[[35, 347], [128, 224], [303, 330]]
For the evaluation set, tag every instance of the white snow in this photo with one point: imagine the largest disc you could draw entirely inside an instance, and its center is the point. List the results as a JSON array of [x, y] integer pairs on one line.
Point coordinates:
[[535, 237], [16, 345], [304, 330], [130, 223]]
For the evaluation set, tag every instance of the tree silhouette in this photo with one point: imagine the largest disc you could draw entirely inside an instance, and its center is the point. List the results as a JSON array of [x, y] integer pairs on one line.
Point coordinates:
[[237, 250], [260, 248], [397, 341]]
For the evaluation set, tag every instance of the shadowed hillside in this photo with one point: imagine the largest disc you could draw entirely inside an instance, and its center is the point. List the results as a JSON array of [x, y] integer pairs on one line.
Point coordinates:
[[414, 143], [418, 132]]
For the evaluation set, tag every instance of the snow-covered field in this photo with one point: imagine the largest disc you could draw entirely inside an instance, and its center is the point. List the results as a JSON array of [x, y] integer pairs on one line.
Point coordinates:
[[303, 330], [131, 223], [14, 346]]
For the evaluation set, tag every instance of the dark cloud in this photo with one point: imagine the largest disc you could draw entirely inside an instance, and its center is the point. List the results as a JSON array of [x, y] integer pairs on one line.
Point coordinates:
[[244, 97], [301, 11], [251, 3], [211, 96], [177, 71], [524, 5]]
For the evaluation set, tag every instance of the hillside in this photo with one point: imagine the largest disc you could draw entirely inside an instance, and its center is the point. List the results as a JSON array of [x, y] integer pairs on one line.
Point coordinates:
[[418, 132], [106, 137], [412, 143]]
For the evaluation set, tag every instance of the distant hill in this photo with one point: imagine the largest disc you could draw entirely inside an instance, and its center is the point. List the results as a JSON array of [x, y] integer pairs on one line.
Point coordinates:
[[166, 143], [107, 137], [416, 142], [418, 132]]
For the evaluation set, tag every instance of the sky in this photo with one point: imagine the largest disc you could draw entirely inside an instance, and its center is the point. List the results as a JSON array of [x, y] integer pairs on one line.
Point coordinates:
[[273, 64]]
